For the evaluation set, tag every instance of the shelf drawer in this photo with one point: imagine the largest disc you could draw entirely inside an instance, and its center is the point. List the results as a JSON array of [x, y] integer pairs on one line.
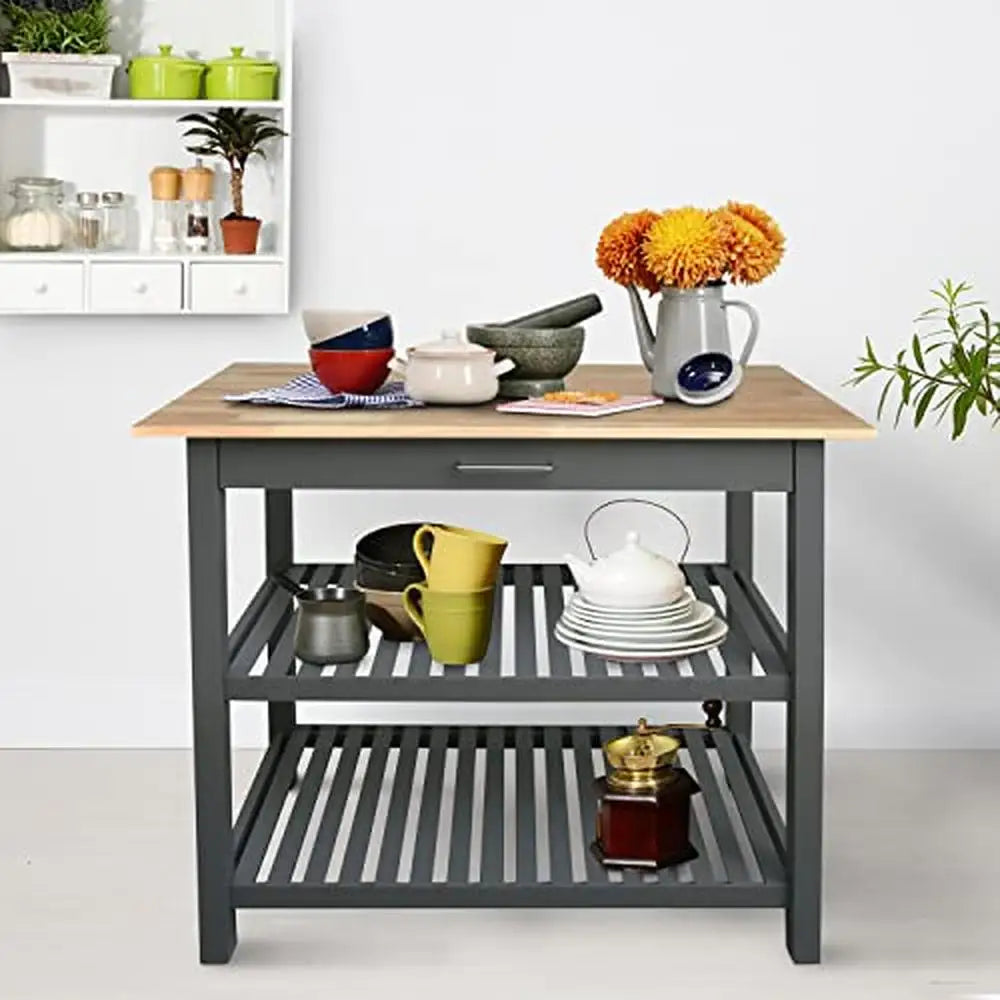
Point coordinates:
[[238, 288], [41, 287], [136, 288]]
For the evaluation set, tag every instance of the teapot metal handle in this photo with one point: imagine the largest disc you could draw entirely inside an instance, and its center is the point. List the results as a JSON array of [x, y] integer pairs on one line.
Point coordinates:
[[646, 503]]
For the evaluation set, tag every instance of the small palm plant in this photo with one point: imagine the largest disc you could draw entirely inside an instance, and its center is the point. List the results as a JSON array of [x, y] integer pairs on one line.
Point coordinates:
[[954, 368], [235, 135]]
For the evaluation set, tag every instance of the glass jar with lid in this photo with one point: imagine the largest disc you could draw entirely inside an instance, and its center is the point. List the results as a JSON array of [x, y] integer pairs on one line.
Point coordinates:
[[115, 220], [89, 220], [37, 221]]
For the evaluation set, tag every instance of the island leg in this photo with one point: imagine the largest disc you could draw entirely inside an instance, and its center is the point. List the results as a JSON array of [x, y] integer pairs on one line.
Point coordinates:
[[739, 557], [805, 707], [209, 659], [278, 549]]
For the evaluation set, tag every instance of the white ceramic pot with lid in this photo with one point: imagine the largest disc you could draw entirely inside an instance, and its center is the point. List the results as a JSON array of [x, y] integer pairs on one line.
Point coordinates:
[[451, 371], [633, 576]]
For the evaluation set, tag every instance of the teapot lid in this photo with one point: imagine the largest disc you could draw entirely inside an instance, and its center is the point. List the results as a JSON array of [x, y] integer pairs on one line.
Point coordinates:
[[633, 555], [451, 344]]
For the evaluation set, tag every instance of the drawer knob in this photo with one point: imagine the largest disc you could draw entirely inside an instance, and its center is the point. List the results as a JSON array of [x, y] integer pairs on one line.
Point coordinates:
[[41, 288], [140, 288], [241, 288]]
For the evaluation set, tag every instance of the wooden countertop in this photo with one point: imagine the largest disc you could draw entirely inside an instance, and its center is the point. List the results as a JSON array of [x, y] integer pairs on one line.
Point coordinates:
[[771, 404]]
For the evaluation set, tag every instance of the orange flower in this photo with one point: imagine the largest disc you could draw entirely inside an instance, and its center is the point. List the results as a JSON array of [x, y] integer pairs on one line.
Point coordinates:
[[687, 248], [756, 244], [619, 250]]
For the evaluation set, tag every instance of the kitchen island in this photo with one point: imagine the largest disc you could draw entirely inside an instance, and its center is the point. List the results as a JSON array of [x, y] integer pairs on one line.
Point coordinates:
[[306, 834]]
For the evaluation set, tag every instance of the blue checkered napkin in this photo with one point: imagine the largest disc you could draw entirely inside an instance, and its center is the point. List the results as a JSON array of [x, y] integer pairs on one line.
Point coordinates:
[[307, 390]]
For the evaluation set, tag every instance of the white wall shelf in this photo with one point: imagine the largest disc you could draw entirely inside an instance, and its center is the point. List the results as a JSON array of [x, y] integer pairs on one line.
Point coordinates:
[[113, 144], [130, 104]]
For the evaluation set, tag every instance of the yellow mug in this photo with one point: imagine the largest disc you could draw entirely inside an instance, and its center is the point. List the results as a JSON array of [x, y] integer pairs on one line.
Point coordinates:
[[457, 626], [461, 559]]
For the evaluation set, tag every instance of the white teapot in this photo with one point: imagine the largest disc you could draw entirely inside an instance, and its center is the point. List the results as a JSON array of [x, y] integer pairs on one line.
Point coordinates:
[[632, 577]]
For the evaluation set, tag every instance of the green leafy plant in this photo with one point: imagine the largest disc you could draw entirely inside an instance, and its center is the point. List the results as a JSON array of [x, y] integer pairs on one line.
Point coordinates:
[[953, 368], [235, 135], [77, 27]]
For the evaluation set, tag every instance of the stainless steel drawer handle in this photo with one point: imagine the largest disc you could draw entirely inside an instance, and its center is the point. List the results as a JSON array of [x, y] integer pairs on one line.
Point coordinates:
[[541, 469]]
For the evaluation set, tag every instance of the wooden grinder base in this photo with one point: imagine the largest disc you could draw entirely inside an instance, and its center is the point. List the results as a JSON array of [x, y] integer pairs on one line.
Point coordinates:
[[646, 830]]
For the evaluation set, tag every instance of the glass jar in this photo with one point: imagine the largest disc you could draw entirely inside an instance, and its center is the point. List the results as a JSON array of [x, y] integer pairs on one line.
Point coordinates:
[[89, 220], [198, 226], [115, 220], [165, 222], [37, 221]]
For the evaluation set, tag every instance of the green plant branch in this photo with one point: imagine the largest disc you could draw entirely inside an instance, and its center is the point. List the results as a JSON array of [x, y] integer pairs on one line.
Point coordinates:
[[966, 354]]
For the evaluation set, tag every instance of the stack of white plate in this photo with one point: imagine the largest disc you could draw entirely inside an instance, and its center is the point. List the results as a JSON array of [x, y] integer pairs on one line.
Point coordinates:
[[666, 632]]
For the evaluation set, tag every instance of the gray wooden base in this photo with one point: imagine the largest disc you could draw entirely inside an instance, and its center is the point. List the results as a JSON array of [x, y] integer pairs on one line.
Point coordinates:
[[747, 856]]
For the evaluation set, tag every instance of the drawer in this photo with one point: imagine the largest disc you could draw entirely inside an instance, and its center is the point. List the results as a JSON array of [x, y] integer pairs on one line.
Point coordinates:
[[41, 287], [136, 288], [508, 465], [238, 288]]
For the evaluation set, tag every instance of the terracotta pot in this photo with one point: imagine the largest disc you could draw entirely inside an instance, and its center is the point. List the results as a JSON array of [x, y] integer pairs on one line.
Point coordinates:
[[240, 236]]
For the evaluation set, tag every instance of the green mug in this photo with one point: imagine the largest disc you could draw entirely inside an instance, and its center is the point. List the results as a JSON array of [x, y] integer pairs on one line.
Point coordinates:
[[456, 626]]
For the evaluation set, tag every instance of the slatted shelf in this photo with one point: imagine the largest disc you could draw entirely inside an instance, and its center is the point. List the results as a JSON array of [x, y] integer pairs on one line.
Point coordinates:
[[491, 816], [525, 662]]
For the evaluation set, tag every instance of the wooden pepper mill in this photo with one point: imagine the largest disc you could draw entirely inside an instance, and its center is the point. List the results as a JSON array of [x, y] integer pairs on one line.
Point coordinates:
[[644, 815]]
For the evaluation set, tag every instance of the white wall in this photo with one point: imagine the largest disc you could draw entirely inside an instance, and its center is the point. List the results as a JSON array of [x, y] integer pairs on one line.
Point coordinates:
[[456, 161]]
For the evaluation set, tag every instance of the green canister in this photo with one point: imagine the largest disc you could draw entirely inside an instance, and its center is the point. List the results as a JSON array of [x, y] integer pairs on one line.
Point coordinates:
[[240, 78], [165, 77]]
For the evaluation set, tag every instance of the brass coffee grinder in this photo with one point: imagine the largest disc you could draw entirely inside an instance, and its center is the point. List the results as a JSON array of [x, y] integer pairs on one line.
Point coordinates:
[[644, 816]]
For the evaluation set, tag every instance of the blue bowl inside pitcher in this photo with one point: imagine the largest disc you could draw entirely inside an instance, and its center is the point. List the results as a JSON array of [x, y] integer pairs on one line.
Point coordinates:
[[337, 330], [705, 373]]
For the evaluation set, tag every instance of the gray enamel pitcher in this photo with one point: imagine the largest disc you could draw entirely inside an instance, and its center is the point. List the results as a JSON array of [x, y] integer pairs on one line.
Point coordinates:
[[691, 321]]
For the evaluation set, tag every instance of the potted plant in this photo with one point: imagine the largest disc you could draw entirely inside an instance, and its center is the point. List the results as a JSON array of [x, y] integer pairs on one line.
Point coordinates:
[[235, 135], [953, 368], [58, 49], [685, 255]]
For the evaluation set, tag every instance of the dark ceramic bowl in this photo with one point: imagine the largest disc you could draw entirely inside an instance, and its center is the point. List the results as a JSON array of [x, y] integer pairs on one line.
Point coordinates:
[[384, 559], [538, 354], [705, 373], [351, 371], [347, 331]]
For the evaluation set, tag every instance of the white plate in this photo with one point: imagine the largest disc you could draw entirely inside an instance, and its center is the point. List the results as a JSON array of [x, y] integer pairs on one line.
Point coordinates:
[[684, 601], [618, 640], [698, 615], [712, 638], [663, 613]]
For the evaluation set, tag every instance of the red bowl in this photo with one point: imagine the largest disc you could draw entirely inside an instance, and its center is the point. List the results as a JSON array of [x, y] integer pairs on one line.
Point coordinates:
[[352, 371]]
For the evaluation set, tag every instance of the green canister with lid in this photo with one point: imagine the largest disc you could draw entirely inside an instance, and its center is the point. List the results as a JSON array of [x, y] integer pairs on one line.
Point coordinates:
[[240, 78], [165, 77]]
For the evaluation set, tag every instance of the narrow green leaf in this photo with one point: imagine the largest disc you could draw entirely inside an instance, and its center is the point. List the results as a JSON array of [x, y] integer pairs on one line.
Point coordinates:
[[960, 414], [923, 403], [882, 399], [918, 354]]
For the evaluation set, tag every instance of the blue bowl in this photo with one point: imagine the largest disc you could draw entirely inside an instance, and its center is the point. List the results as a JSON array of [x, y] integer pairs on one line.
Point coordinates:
[[330, 330], [705, 373]]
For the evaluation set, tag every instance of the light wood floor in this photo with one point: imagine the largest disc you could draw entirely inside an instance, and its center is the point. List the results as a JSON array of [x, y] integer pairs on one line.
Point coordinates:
[[97, 904]]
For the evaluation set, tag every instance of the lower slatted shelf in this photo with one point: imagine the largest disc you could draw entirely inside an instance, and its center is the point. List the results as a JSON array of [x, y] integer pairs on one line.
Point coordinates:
[[485, 817]]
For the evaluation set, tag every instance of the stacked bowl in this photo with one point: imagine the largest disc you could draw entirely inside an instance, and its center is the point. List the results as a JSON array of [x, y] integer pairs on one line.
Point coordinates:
[[349, 351], [385, 564]]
